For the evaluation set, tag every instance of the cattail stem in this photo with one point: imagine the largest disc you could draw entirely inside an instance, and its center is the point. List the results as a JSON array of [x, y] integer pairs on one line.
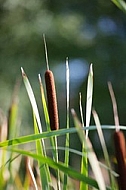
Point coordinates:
[[120, 151], [52, 101]]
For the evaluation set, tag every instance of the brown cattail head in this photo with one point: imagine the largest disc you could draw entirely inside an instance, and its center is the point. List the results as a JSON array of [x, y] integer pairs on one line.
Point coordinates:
[[120, 151], [52, 101]]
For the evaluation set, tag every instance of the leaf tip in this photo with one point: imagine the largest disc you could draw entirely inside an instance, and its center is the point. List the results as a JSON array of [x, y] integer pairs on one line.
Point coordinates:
[[73, 112], [67, 63], [22, 71], [39, 77], [91, 69]]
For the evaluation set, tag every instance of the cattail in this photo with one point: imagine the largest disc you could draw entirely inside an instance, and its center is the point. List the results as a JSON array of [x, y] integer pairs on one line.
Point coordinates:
[[52, 101], [120, 151], [51, 94]]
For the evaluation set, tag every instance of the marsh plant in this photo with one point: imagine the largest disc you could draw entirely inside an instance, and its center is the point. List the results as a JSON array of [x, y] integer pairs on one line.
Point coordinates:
[[21, 168], [30, 169]]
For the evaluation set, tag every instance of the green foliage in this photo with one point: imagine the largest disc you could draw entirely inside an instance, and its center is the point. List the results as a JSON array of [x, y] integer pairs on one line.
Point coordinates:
[[120, 4], [89, 30], [12, 153]]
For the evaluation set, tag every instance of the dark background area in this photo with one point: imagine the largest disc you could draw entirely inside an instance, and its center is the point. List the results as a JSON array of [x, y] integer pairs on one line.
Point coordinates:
[[85, 31]]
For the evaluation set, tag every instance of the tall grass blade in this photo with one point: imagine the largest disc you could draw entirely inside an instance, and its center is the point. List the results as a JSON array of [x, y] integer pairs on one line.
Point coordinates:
[[27, 178], [33, 103], [89, 97], [67, 123], [38, 129], [121, 4], [46, 115], [12, 120], [33, 137], [30, 171], [114, 104], [13, 128], [104, 148], [45, 135], [90, 152], [43, 168], [84, 161], [32, 99], [61, 166], [3, 152]]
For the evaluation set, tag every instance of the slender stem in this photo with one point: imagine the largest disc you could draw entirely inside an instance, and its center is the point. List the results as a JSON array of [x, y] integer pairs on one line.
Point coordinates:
[[67, 123], [115, 111], [84, 160], [46, 52]]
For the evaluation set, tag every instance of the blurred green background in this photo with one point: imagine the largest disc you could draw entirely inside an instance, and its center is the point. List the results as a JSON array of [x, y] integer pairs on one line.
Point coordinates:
[[85, 31]]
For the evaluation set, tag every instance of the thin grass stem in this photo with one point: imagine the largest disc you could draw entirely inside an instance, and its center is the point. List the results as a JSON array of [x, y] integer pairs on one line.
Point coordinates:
[[114, 104], [89, 97], [84, 160], [67, 122], [104, 148], [46, 52], [31, 174]]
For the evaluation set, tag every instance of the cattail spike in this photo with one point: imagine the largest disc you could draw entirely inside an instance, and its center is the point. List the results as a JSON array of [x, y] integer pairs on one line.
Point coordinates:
[[52, 101], [46, 53]]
